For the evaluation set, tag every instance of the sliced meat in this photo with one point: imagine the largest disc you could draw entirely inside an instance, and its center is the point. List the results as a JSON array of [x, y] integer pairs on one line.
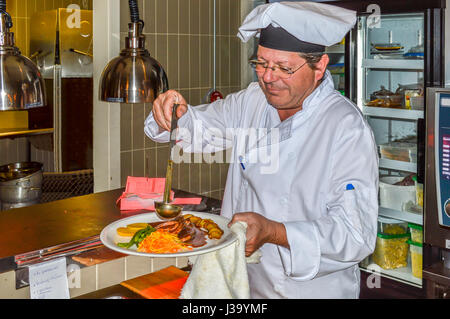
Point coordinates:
[[187, 232], [198, 239]]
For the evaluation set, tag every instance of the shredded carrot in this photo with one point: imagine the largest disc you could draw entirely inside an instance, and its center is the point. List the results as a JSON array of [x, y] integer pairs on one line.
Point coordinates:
[[161, 242]]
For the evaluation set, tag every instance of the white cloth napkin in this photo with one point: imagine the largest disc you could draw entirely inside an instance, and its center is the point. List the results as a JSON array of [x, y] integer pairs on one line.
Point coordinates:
[[221, 274]]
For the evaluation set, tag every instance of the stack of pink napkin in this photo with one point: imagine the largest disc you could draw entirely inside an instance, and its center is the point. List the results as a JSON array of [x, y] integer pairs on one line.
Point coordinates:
[[142, 193]]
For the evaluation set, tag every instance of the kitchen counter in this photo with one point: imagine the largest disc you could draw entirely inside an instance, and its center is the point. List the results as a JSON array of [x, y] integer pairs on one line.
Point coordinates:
[[34, 228]]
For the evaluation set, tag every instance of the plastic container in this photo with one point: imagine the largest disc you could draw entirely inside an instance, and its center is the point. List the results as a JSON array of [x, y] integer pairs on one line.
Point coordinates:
[[391, 251], [409, 94], [388, 226], [416, 258], [416, 233], [398, 151], [417, 102], [419, 192], [394, 196]]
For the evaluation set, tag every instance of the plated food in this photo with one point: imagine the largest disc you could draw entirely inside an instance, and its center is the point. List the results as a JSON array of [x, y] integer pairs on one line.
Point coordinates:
[[182, 234], [193, 233]]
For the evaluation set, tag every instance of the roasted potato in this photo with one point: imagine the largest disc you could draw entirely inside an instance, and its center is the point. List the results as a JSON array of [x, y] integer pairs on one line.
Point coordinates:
[[214, 231]]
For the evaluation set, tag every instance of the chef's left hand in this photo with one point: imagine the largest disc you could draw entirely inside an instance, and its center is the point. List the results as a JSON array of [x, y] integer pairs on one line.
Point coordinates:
[[260, 230]]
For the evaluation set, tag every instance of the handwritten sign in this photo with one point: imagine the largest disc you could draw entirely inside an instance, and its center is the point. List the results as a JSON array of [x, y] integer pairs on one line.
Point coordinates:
[[48, 280]]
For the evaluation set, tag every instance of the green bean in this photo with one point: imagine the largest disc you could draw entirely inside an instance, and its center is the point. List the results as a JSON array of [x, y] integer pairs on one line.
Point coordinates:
[[132, 241], [138, 237]]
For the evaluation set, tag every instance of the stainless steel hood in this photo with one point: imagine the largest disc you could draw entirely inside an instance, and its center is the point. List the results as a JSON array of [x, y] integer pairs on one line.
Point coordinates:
[[21, 84], [134, 76]]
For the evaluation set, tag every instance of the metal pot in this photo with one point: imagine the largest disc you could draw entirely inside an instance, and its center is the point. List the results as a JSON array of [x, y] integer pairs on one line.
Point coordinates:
[[25, 174], [7, 206], [17, 194], [21, 182]]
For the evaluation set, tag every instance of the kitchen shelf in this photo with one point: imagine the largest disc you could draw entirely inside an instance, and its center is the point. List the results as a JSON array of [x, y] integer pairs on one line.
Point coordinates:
[[403, 274], [398, 165], [17, 132], [394, 64], [401, 215], [390, 113]]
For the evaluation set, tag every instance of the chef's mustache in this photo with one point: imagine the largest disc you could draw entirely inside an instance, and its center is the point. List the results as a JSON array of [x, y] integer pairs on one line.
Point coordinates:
[[271, 85]]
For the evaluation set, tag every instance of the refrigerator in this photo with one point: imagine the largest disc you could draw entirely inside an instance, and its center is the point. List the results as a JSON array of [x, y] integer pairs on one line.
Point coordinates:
[[389, 65], [393, 55]]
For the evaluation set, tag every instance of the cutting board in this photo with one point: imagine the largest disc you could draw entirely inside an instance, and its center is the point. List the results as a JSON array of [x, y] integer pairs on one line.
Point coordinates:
[[97, 256], [163, 284]]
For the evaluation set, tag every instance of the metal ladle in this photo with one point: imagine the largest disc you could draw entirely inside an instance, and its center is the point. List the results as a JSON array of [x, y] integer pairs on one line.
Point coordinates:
[[164, 209]]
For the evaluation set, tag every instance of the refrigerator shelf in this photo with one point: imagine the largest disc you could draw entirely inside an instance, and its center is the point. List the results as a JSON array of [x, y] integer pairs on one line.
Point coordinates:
[[403, 274], [390, 113], [395, 64], [401, 215], [398, 165]]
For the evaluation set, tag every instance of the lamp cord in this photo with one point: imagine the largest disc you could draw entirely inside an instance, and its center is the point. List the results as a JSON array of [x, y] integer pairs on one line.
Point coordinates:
[[9, 23], [134, 12]]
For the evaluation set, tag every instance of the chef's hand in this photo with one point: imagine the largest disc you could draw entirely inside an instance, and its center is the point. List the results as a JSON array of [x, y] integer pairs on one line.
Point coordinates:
[[260, 230], [163, 105]]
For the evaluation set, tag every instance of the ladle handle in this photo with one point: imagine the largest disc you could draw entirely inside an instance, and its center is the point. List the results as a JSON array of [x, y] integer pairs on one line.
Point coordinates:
[[169, 170], [167, 186], [173, 127]]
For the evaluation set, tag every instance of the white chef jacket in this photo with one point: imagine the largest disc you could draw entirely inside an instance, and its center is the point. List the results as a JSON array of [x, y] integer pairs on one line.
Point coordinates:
[[322, 149]]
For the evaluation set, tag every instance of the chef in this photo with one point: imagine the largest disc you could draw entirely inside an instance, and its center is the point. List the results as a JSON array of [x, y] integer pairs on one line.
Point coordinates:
[[311, 209]]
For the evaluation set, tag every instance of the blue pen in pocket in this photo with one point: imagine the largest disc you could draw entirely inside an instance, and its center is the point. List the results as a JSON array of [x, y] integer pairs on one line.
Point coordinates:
[[241, 160]]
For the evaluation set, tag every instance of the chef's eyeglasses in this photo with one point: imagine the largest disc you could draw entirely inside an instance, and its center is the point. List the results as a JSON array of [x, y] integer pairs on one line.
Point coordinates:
[[278, 70]]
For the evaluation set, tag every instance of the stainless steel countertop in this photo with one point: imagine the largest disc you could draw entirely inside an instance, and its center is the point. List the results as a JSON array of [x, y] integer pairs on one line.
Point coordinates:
[[37, 227]]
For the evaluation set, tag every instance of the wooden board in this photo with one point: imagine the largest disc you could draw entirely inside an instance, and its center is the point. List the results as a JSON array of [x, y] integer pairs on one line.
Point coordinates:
[[163, 284], [97, 256]]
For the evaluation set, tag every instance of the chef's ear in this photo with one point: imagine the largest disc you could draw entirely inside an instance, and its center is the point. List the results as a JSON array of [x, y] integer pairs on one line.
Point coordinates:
[[321, 67]]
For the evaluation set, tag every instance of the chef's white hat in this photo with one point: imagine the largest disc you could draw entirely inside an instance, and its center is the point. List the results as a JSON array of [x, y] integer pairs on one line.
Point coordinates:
[[297, 26]]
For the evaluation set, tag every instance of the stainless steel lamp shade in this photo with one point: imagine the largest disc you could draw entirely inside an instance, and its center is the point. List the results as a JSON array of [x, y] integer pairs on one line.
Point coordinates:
[[21, 84], [134, 76]]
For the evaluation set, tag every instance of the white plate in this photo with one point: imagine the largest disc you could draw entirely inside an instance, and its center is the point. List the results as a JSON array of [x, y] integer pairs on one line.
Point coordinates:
[[110, 238]]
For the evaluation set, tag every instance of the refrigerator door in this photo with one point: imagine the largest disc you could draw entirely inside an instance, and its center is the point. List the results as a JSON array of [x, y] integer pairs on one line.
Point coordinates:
[[389, 87], [390, 92]]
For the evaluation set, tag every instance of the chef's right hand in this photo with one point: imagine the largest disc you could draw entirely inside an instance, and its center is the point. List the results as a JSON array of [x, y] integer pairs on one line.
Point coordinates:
[[163, 105]]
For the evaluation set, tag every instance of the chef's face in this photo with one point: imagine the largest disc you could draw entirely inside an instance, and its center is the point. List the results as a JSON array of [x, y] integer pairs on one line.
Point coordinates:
[[287, 95]]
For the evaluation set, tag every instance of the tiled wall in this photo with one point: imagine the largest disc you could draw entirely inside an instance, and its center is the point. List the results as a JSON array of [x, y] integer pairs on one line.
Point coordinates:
[[180, 35], [21, 11]]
